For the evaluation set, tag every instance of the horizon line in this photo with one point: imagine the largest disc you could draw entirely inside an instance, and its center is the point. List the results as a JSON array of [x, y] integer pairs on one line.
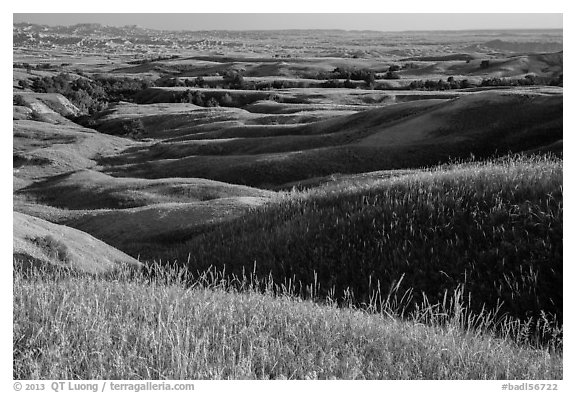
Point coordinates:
[[295, 29]]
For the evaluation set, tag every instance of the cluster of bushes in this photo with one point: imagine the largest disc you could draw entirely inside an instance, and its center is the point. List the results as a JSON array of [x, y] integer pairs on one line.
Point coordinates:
[[528, 80], [440, 84], [213, 98], [89, 95], [354, 74], [93, 95], [18, 100], [391, 75], [201, 99], [333, 79], [133, 128], [281, 84], [231, 80], [175, 82], [28, 66], [359, 74], [452, 84], [150, 60]]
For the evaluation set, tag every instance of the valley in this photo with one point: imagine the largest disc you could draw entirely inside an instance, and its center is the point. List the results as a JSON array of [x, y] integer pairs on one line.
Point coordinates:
[[395, 175]]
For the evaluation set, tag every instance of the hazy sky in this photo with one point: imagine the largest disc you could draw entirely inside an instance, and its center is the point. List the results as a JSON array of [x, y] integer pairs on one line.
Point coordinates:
[[383, 22]]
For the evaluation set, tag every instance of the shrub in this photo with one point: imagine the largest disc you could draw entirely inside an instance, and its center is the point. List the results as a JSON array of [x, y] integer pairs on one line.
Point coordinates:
[[53, 248], [196, 97], [18, 100], [212, 102], [391, 75], [234, 79], [23, 83], [90, 95], [133, 128], [199, 81], [226, 100], [369, 78], [278, 84]]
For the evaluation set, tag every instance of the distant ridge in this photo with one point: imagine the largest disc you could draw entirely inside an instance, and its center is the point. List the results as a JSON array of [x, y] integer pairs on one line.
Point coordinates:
[[100, 26]]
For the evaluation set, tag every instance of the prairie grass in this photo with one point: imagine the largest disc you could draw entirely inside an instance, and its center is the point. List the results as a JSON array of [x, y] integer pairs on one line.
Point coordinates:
[[451, 273], [142, 326], [493, 229]]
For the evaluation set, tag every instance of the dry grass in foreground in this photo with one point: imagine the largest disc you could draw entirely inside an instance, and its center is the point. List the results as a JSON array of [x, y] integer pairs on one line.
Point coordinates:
[[139, 327]]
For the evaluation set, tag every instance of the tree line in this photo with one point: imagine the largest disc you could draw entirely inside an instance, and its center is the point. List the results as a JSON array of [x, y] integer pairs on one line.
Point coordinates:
[[90, 95], [93, 94]]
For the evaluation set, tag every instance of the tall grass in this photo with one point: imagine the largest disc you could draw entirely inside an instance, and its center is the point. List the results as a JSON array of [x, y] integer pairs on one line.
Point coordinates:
[[158, 326], [493, 229], [454, 272]]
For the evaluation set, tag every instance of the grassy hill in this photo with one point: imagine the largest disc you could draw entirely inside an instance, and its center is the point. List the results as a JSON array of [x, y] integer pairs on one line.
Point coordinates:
[[42, 244], [89, 189], [142, 328], [43, 149], [494, 227], [298, 204], [406, 135], [142, 230]]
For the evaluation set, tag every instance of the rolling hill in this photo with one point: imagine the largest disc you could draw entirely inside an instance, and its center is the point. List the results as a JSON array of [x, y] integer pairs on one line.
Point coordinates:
[[287, 204], [408, 135], [89, 189], [142, 230], [494, 227], [41, 244], [42, 149]]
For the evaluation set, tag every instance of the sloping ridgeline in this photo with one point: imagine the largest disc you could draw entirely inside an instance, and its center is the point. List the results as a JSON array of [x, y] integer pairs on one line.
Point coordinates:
[[494, 228]]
